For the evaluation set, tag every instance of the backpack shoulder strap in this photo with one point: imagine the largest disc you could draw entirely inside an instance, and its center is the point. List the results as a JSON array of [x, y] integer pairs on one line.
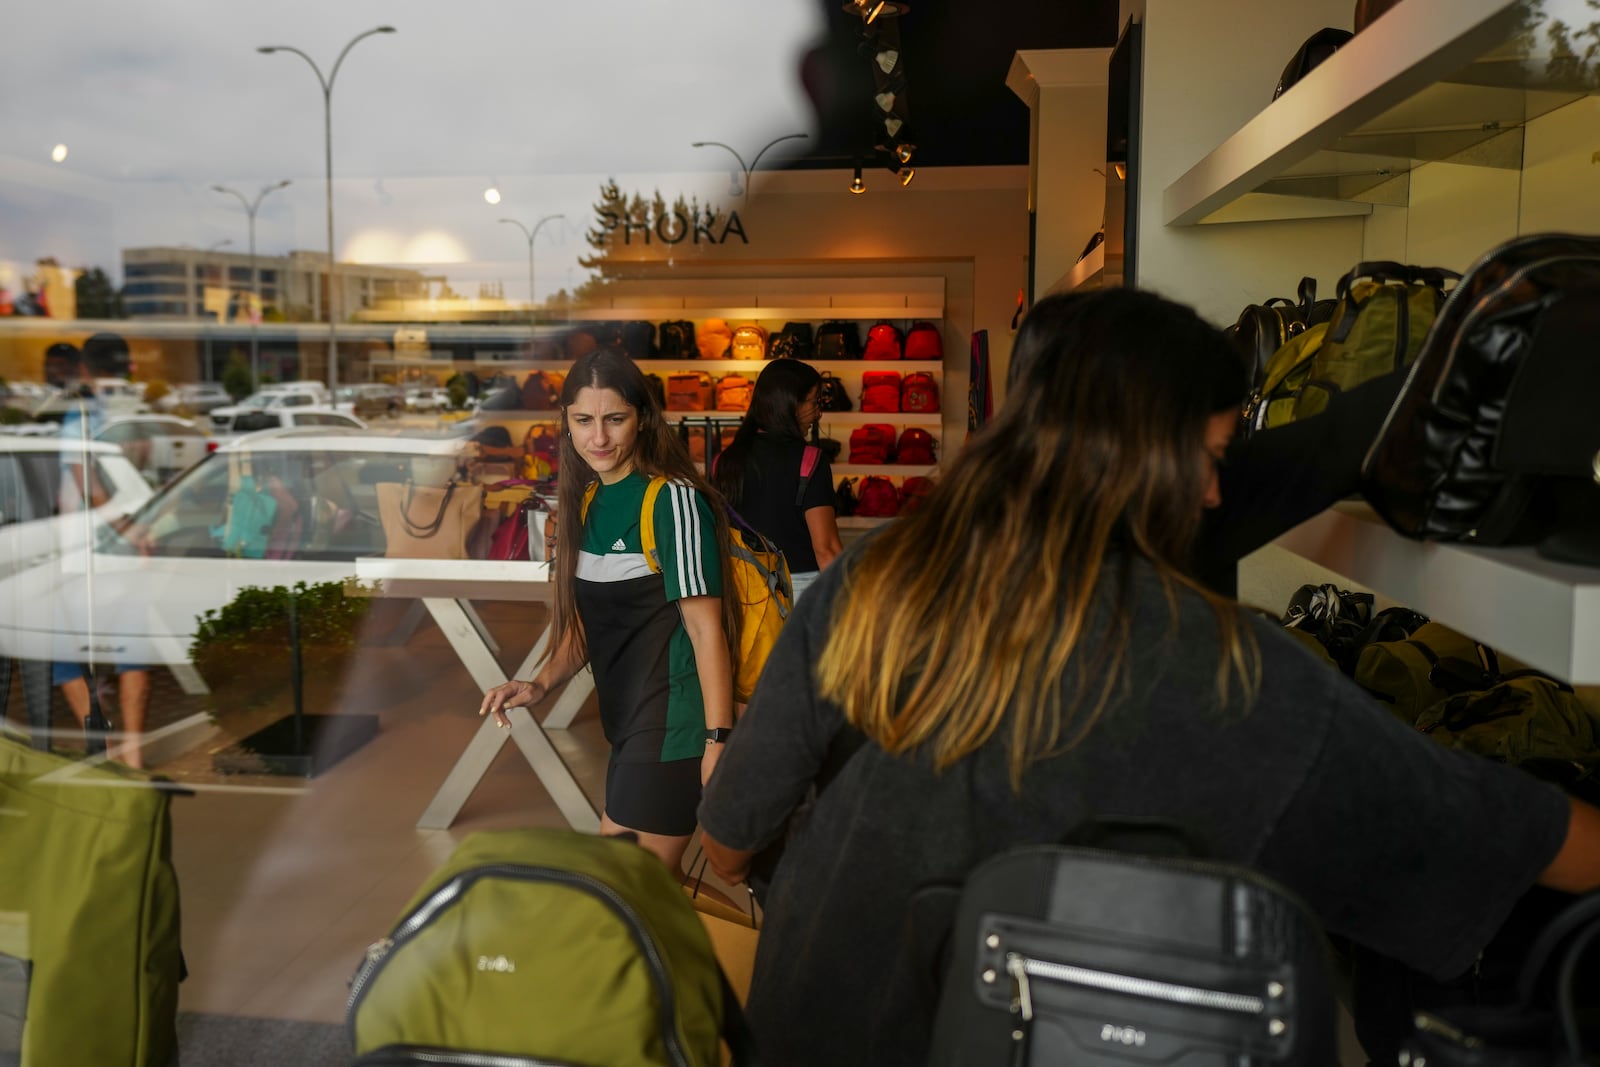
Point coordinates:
[[588, 498], [808, 466], [647, 523]]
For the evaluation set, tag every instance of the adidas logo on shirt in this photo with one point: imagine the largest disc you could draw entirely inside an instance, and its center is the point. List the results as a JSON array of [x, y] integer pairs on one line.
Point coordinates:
[[619, 546]]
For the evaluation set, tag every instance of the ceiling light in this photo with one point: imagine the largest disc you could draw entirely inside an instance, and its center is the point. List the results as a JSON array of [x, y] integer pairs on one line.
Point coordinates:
[[872, 10], [858, 186], [905, 178], [903, 152]]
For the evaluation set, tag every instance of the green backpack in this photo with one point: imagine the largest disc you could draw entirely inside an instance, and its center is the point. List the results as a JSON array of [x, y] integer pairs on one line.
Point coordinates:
[[1402, 674], [89, 960], [1384, 311], [1531, 722], [544, 946]]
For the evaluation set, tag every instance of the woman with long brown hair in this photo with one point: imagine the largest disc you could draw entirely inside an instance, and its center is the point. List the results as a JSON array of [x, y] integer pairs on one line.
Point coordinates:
[[655, 636], [1027, 653]]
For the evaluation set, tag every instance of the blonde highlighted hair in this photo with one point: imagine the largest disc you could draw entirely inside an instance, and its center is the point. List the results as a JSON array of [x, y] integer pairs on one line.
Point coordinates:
[[960, 620]]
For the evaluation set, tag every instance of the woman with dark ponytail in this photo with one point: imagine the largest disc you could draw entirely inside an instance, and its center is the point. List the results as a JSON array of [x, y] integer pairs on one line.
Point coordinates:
[[764, 473]]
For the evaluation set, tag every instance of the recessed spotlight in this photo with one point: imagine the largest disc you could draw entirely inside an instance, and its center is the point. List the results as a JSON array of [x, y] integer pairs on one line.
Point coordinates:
[[858, 186]]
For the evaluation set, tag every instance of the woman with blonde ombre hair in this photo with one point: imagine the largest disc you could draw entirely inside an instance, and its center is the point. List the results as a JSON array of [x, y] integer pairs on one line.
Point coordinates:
[[1027, 652]]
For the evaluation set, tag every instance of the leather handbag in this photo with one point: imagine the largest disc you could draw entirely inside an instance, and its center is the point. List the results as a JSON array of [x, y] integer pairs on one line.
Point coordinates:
[[1546, 1026], [1368, 10], [1316, 49], [426, 522], [1493, 440]]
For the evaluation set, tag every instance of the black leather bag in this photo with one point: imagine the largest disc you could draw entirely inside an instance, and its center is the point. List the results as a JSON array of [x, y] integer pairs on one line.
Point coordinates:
[[1071, 955], [1554, 1022], [1494, 439], [1316, 49], [1262, 329]]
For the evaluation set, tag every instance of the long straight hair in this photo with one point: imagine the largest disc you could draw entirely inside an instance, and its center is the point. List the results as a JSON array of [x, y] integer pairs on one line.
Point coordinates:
[[657, 453], [960, 619], [774, 409]]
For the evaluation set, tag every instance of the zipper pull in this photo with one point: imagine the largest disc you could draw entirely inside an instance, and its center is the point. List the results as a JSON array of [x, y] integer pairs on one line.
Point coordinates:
[[1021, 1004]]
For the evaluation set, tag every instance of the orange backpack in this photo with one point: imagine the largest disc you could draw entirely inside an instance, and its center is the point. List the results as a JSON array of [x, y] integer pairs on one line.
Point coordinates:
[[734, 392], [689, 391], [749, 342]]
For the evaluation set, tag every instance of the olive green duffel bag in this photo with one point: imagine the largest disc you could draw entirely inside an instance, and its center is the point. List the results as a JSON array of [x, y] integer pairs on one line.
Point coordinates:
[[543, 947], [89, 961]]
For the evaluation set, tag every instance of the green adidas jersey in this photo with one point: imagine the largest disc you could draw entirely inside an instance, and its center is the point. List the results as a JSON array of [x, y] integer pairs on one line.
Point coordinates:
[[646, 680]]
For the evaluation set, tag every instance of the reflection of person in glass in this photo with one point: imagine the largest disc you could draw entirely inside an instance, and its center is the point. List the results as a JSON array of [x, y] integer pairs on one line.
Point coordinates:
[[102, 354]]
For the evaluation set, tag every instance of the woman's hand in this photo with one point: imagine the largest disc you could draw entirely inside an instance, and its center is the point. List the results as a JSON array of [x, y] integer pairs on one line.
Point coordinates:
[[708, 762], [513, 694]]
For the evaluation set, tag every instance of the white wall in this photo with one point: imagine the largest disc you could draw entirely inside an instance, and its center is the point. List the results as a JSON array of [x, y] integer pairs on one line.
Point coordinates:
[[1209, 66]]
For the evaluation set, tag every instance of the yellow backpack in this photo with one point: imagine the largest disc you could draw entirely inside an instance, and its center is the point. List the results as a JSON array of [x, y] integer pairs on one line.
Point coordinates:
[[758, 583]]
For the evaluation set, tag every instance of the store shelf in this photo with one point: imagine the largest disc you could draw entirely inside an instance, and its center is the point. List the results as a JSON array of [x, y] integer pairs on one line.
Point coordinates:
[[891, 470], [1544, 613], [805, 313], [751, 367], [1439, 80], [897, 418], [1088, 273]]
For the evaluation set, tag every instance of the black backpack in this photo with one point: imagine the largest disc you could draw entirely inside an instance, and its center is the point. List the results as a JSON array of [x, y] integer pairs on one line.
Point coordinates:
[[839, 340], [793, 342], [1085, 956], [844, 495], [1494, 438], [831, 394], [677, 341], [1262, 329], [639, 340]]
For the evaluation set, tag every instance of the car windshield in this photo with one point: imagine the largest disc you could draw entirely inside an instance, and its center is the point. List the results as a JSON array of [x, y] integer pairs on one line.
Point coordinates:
[[280, 505]]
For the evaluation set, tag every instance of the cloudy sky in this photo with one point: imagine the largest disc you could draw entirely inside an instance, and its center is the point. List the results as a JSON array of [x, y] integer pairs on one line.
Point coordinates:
[[156, 103]]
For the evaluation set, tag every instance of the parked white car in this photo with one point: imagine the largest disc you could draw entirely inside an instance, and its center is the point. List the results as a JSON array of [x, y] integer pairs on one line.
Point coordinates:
[[137, 596], [32, 528], [160, 446], [428, 400], [293, 417], [117, 396], [201, 398]]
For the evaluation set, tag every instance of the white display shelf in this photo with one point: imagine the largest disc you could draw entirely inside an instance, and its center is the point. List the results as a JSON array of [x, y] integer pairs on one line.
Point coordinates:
[[1543, 613], [897, 418], [1438, 80], [891, 470], [734, 315], [751, 367], [1088, 273]]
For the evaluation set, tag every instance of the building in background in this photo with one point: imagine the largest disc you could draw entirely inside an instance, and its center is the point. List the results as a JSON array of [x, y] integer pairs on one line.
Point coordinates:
[[193, 283]]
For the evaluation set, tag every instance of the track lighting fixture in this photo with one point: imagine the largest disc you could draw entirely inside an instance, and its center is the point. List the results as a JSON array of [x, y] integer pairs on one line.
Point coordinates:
[[1121, 170], [903, 152], [907, 174], [858, 186]]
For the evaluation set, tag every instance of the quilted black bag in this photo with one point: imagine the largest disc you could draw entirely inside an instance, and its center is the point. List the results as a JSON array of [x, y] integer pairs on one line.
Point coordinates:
[[1494, 439], [1262, 329]]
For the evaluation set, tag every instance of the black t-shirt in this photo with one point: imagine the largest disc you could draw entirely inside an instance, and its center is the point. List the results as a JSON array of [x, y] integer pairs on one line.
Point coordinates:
[[1394, 841], [771, 482]]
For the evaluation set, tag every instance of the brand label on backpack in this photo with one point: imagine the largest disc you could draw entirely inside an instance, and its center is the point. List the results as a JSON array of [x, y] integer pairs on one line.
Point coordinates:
[[1122, 1035], [497, 965]]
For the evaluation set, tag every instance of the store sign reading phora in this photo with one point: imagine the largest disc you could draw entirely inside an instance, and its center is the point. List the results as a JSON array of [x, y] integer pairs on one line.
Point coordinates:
[[674, 228]]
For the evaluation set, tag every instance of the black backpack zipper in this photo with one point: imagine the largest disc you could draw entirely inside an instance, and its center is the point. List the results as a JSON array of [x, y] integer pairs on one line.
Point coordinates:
[[379, 954]]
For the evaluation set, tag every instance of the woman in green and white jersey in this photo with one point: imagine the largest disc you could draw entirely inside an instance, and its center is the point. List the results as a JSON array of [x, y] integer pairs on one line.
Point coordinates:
[[655, 636]]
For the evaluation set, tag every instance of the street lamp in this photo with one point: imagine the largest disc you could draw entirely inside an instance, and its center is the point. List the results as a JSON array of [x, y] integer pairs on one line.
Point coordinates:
[[250, 208], [327, 146], [533, 319], [741, 191]]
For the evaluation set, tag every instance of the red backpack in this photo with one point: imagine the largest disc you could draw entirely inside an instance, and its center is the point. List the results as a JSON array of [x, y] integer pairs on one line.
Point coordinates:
[[883, 342], [913, 493], [880, 390], [924, 342], [872, 443], [920, 393], [916, 446], [877, 498]]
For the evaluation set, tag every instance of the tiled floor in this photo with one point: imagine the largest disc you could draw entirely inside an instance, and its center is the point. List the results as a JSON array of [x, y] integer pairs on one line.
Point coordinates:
[[286, 881]]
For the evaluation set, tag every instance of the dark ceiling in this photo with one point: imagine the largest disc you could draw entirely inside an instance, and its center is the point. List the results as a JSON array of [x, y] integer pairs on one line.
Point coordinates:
[[956, 54]]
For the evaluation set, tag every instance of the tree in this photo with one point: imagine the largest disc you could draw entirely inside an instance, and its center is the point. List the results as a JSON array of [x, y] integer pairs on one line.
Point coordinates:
[[97, 297], [622, 221], [236, 377]]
